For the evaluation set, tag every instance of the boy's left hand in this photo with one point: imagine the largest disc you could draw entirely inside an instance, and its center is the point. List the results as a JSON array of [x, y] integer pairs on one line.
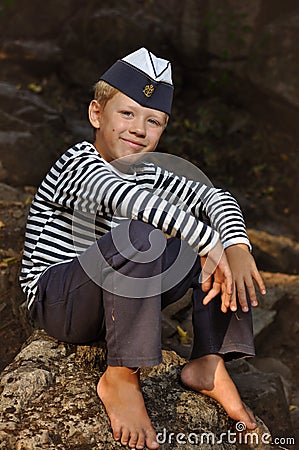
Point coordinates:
[[245, 273]]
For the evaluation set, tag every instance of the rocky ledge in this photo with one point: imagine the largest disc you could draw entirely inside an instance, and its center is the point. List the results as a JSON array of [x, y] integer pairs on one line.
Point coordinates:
[[48, 400]]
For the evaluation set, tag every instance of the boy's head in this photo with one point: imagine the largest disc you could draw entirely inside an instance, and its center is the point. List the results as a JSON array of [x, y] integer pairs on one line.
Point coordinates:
[[140, 84]]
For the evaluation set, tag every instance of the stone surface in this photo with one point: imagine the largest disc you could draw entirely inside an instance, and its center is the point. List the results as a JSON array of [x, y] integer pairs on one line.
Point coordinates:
[[280, 287], [275, 50], [274, 365], [256, 39], [48, 400], [231, 31], [29, 128], [275, 253], [11, 194], [264, 393], [62, 49]]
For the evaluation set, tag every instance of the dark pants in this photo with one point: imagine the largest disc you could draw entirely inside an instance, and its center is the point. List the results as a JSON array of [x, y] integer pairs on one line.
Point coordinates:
[[116, 290]]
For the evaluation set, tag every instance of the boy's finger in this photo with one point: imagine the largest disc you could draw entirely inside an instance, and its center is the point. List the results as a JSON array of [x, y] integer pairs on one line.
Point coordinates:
[[228, 281], [226, 298], [260, 282], [212, 293], [251, 293], [206, 283], [224, 309], [242, 297], [233, 302]]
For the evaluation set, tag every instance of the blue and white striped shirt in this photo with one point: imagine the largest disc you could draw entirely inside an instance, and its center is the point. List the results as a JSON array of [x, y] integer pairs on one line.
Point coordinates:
[[82, 197]]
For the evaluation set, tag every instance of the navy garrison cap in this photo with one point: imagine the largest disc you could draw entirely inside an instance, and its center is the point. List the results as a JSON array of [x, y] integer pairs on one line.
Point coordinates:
[[144, 78]]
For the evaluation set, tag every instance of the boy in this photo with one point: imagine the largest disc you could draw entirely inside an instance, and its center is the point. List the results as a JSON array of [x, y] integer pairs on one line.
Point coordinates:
[[97, 264]]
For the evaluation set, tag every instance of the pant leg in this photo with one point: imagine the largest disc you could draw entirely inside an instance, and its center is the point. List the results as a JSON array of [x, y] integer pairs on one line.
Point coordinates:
[[79, 300], [69, 306], [229, 334], [133, 320]]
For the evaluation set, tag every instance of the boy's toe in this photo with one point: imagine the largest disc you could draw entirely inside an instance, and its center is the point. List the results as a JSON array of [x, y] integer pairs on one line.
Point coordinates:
[[125, 436], [133, 440]]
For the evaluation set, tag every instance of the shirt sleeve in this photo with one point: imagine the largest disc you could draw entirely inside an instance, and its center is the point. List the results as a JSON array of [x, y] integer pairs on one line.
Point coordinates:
[[220, 207]]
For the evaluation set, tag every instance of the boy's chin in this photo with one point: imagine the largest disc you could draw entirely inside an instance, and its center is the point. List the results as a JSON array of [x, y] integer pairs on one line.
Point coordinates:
[[131, 158]]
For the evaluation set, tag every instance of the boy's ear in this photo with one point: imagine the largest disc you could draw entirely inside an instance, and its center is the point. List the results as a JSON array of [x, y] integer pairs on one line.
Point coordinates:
[[94, 113]]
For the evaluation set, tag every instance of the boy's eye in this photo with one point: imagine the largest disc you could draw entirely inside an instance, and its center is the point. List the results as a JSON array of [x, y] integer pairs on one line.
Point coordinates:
[[154, 122], [127, 113]]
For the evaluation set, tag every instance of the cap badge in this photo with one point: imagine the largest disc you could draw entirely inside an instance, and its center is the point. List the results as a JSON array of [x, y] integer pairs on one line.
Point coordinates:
[[148, 90]]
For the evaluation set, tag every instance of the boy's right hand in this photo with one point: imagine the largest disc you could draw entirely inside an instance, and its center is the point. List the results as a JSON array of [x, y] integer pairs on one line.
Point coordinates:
[[216, 277]]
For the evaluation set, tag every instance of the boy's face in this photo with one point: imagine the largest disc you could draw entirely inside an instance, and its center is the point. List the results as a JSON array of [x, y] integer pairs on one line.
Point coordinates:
[[124, 127]]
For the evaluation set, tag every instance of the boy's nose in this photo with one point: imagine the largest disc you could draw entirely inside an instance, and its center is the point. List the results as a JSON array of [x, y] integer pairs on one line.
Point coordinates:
[[137, 127]]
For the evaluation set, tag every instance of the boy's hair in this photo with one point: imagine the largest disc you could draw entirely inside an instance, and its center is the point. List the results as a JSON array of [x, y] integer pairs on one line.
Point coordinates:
[[104, 92]]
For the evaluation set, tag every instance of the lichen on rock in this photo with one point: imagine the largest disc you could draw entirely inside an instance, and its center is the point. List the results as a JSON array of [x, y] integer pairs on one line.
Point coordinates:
[[48, 400]]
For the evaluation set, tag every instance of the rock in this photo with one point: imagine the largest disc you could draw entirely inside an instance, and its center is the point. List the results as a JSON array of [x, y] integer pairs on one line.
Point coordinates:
[[274, 365], [262, 318], [35, 21], [40, 57], [113, 32], [14, 325], [80, 130], [295, 417], [178, 314], [231, 31], [275, 253], [264, 394], [31, 136], [48, 397], [275, 49], [280, 287], [255, 39], [11, 194]]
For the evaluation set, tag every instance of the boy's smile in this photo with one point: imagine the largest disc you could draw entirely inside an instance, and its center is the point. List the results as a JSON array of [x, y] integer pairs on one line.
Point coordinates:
[[125, 127]]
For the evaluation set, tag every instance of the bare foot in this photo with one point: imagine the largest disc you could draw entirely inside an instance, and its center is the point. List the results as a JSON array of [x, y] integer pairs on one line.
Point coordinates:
[[209, 376], [119, 389]]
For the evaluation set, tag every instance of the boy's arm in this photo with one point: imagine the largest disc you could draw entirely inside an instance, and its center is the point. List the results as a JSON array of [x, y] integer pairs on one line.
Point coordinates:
[[99, 190], [198, 199]]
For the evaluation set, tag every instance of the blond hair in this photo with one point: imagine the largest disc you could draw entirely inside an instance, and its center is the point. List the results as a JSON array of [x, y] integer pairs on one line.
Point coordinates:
[[103, 92]]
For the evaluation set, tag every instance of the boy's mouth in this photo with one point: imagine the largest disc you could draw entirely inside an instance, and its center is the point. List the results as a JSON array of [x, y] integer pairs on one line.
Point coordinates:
[[133, 144]]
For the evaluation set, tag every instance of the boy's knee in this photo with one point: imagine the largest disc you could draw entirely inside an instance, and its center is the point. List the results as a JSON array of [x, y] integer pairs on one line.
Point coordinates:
[[144, 236], [140, 239]]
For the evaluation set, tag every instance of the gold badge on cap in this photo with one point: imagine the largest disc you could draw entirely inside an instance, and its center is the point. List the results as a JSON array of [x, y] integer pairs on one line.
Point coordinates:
[[148, 90]]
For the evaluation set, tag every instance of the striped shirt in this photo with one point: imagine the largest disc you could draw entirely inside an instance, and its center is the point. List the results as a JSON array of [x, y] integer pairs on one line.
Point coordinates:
[[83, 197]]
